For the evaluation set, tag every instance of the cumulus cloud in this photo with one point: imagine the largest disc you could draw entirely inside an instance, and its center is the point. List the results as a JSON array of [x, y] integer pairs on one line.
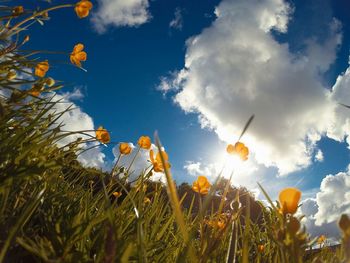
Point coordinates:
[[323, 212], [236, 67], [177, 22], [77, 120], [120, 13], [140, 165]]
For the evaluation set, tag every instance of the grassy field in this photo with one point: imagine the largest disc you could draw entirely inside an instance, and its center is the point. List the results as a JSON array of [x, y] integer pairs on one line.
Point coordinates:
[[52, 209]]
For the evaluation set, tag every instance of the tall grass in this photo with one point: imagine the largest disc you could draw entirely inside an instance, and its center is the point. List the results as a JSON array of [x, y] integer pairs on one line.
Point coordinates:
[[52, 209]]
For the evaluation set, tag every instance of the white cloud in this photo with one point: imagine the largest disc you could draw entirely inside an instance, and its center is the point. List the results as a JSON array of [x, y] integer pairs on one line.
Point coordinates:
[[236, 67], [120, 13], [77, 120], [323, 212], [309, 208], [140, 165], [319, 156], [177, 22]]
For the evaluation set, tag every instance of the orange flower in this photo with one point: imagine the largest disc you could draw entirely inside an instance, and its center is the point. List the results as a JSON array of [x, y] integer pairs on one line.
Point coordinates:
[[36, 90], [240, 149], [321, 239], [78, 55], [157, 162], [201, 185], [83, 8], [261, 248], [144, 142], [41, 68], [18, 10], [124, 148], [289, 200], [117, 194], [102, 135], [34, 93]]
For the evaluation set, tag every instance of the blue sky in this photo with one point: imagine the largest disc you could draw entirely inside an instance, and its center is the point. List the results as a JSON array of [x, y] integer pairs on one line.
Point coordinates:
[[127, 62]]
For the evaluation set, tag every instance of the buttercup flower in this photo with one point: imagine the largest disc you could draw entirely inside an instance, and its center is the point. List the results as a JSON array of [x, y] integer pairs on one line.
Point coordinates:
[[240, 149], [18, 10], [157, 162], [289, 200], [36, 90], [83, 8], [117, 194], [102, 135], [321, 239], [146, 200], [145, 142], [261, 248], [78, 55], [201, 185], [41, 68], [11, 75], [124, 148]]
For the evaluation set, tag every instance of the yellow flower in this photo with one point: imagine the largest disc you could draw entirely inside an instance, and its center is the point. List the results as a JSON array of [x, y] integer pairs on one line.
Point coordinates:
[[124, 148], [36, 90], [261, 248], [144, 142], [321, 239], [50, 82], [146, 200], [157, 162], [11, 75], [117, 194], [240, 149], [83, 8], [102, 135], [78, 55], [41, 68], [201, 185], [18, 10], [289, 200], [34, 93]]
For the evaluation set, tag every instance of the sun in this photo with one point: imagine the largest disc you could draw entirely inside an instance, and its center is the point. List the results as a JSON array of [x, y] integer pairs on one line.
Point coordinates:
[[231, 164]]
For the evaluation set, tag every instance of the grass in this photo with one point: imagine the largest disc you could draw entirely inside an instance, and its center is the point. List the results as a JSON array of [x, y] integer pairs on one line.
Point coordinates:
[[52, 209]]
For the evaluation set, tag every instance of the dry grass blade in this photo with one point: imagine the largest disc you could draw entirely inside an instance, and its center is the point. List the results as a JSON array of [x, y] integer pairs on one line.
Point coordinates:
[[246, 126]]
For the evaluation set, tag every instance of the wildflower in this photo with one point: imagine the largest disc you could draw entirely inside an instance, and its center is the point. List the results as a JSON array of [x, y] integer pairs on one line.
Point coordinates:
[[289, 200], [41, 68], [82, 8], [117, 194], [45, 15], [36, 90], [146, 201], [102, 135], [261, 248], [157, 162], [201, 185], [34, 93], [78, 55], [124, 148], [50, 82], [26, 39], [11, 75], [218, 222], [321, 239], [240, 149], [18, 10], [144, 142]]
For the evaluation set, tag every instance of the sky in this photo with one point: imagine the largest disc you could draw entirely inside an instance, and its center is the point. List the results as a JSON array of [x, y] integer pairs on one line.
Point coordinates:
[[195, 71]]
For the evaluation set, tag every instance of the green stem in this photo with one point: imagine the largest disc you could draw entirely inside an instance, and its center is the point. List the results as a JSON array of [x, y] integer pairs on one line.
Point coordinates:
[[38, 14]]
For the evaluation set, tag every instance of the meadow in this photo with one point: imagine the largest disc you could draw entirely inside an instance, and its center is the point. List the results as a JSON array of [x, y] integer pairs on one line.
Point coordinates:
[[53, 209]]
